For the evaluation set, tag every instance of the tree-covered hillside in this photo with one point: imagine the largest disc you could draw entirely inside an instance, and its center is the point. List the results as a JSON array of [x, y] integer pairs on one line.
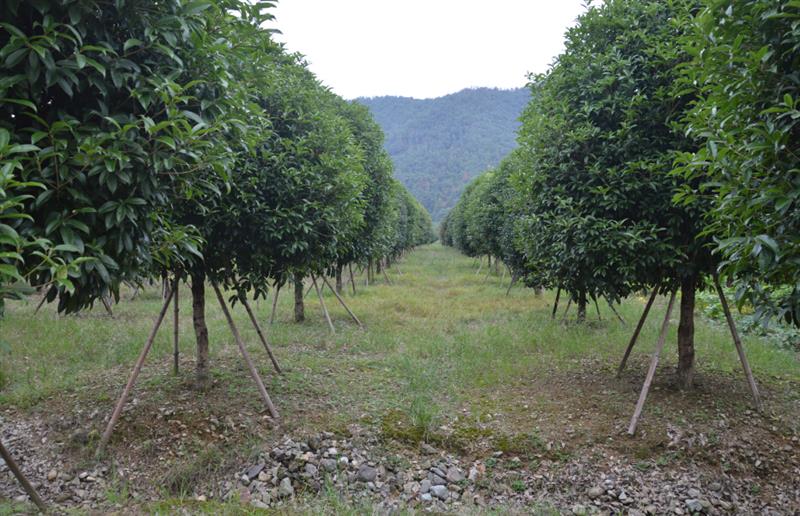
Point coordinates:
[[439, 145]]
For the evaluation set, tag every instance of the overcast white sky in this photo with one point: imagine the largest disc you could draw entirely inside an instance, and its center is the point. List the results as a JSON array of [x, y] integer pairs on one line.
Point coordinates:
[[424, 48]]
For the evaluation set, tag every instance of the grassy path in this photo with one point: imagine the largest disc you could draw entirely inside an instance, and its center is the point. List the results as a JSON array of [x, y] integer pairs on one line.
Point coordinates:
[[446, 357]]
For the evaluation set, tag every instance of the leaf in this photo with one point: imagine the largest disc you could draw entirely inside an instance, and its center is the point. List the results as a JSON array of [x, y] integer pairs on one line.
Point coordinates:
[[196, 7], [132, 42], [22, 102]]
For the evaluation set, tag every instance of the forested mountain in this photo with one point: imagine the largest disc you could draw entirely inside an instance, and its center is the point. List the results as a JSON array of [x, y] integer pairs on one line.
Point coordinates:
[[439, 145]]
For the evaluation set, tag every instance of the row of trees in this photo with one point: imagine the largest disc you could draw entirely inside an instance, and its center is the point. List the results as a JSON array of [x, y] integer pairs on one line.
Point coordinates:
[[144, 139], [660, 150]]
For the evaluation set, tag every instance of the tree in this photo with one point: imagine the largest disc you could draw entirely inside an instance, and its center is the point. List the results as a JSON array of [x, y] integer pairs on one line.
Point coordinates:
[[747, 114], [291, 199], [97, 103], [601, 137]]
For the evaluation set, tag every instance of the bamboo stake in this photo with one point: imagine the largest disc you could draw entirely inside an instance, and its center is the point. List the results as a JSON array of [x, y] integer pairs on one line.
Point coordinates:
[[342, 302], [322, 304], [132, 380], [555, 305], [243, 350], [352, 280], [175, 327], [636, 332], [738, 342], [653, 364], [27, 486], [274, 304], [261, 335]]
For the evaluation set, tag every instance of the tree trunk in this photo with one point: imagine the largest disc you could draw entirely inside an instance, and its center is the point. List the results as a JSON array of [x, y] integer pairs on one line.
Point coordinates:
[[582, 307], [202, 377], [686, 334], [299, 309], [377, 266], [339, 286]]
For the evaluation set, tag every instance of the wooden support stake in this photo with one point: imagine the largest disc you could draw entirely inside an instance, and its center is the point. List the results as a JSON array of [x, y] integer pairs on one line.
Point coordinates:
[[175, 328], [611, 306], [555, 305], [341, 301], [738, 342], [566, 310], [107, 306], [274, 304], [322, 304], [39, 306], [653, 364], [514, 280], [134, 375], [597, 307], [243, 350], [383, 270], [261, 335], [636, 332], [352, 280], [29, 489]]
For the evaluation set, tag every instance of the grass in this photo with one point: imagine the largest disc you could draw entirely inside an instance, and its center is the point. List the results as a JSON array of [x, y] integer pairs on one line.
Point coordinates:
[[446, 357], [441, 332]]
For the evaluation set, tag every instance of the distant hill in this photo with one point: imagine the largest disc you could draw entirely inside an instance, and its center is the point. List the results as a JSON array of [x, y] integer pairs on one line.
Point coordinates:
[[439, 145]]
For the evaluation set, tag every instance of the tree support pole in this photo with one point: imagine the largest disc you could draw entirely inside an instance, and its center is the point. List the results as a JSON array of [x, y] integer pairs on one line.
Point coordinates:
[[39, 306], [29, 489], [611, 306], [274, 304], [566, 310], [341, 301], [514, 280], [738, 342], [597, 307], [261, 335], [555, 305], [653, 364], [132, 380], [175, 328], [636, 332], [322, 304], [386, 276], [352, 280], [253, 371], [107, 306]]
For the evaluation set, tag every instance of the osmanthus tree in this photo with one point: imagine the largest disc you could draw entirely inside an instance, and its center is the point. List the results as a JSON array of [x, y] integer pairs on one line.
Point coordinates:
[[455, 226], [13, 285], [101, 110], [368, 242], [746, 73], [600, 140], [413, 226], [290, 200]]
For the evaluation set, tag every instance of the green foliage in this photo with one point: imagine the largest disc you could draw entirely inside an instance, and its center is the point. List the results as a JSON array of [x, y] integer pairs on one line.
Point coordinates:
[[439, 145], [107, 123], [600, 139], [746, 72]]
